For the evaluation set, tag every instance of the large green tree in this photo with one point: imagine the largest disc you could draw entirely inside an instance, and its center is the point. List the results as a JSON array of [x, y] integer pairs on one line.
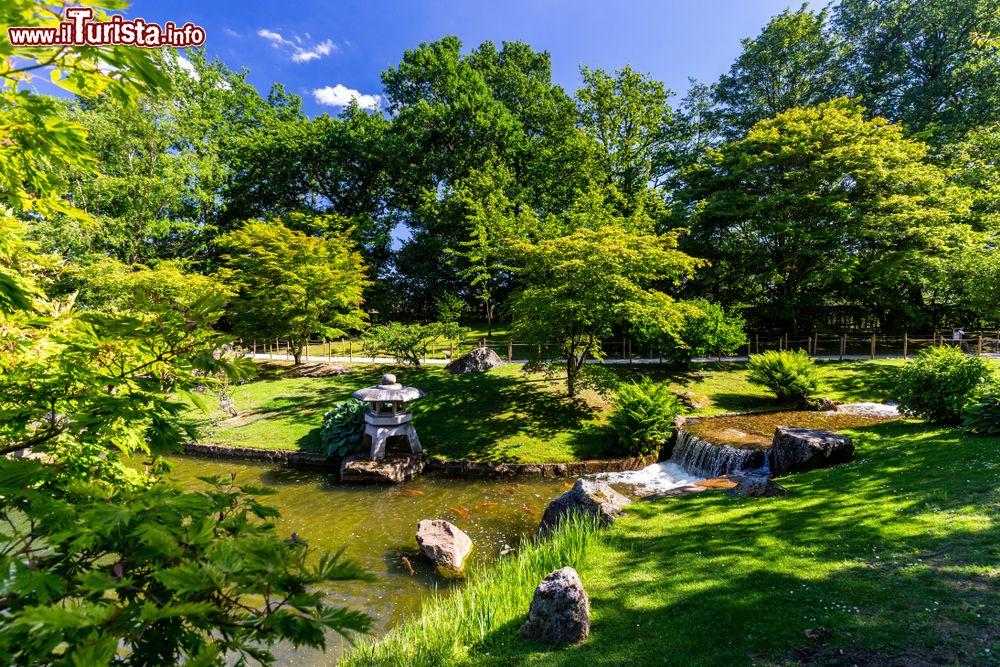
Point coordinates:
[[292, 285], [819, 207]]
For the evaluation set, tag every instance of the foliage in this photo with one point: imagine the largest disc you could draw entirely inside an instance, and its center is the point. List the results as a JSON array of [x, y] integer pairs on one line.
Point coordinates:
[[940, 383], [150, 574], [820, 204], [110, 285], [409, 343], [344, 428], [39, 147], [644, 414], [288, 284], [449, 307], [793, 62], [791, 376], [705, 329], [982, 417], [576, 288], [449, 627]]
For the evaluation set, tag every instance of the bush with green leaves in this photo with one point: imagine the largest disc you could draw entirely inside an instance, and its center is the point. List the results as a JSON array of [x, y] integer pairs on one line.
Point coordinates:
[[643, 417], [344, 428], [791, 376], [940, 383], [983, 416], [409, 343]]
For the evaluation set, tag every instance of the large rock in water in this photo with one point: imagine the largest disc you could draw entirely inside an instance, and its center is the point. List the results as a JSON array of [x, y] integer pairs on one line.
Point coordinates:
[[560, 610], [800, 449], [478, 360], [392, 469], [444, 543], [589, 498], [757, 486]]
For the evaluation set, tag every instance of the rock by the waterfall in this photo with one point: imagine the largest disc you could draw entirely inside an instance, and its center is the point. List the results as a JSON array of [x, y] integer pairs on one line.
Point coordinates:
[[757, 486], [692, 400], [589, 498], [392, 469], [560, 610], [478, 360], [444, 543], [800, 449], [822, 404]]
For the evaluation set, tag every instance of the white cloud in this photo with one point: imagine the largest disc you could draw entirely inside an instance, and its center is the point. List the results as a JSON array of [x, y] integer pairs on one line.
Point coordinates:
[[322, 49], [231, 32], [301, 53], [340, 96]]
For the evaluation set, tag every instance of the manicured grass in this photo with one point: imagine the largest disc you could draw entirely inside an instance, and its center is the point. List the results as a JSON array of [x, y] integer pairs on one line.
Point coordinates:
[[891, 559], [503, 415], [497, 416]]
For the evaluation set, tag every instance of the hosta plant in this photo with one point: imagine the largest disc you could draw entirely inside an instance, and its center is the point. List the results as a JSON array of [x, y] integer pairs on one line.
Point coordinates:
[[344, 428]]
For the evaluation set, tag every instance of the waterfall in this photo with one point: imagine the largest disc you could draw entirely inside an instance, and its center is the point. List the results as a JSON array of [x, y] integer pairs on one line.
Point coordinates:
[[710, 460]]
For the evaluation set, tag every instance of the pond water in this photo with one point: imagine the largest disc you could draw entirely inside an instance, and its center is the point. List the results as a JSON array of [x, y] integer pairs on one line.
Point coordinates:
[[756, 431], [377, 524]]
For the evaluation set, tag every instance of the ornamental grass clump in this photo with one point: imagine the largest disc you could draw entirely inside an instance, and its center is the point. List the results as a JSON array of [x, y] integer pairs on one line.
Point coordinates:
[[791, 376], [644, 416], [940, 383]]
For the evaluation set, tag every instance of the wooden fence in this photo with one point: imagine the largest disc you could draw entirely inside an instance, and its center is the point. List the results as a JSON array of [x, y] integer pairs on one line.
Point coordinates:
[[625, 350]]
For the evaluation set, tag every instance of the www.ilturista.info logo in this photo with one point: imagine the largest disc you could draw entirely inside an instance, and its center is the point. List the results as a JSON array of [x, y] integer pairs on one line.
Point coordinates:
[[80, 29]]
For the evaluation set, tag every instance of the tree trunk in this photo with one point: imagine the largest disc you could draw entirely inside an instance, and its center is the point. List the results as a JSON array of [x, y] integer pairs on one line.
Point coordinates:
[[571, 370], [297, 354]]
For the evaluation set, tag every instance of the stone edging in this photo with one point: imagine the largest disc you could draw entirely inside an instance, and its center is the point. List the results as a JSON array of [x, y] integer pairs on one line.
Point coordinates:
[[457, 468]]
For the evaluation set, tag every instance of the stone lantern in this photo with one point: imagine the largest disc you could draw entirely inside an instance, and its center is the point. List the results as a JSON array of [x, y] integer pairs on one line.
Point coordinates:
[[386, 415]]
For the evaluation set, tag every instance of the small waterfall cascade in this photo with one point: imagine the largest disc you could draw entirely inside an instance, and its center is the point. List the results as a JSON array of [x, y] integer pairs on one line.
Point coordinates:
[[708, 459]]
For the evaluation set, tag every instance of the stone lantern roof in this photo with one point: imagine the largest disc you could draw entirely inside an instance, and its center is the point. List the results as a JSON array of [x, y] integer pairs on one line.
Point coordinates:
[[388, 391]]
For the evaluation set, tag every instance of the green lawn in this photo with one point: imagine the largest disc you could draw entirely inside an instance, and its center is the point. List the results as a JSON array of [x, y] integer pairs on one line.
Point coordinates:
[[891, 559], [503, 415]]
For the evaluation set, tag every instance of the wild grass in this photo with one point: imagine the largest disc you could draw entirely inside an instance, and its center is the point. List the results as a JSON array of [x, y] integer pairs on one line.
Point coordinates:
[[493, 602]]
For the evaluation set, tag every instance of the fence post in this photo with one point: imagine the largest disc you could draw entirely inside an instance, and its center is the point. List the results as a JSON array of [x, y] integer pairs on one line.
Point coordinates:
[[980, 353], [756, 344], [873, 346], [906, 344], [510, 351], [630, 352], [843, 345], [623, 348], [350, 349], [451, 350], [255, 347]]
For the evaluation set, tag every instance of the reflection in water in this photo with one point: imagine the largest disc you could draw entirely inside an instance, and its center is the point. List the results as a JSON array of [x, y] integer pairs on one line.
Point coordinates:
[[376, 525], [757, 430]]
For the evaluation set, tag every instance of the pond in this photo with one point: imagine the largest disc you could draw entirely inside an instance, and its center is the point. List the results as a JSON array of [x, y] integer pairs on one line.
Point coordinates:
[[377, 525]]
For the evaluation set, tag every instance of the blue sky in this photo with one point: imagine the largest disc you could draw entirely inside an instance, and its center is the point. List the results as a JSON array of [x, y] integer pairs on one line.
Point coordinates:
[[315, 45]]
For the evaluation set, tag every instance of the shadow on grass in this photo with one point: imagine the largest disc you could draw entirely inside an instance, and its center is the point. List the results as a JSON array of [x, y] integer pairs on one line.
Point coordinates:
[[882, 554], [462, 416], [856, 380]]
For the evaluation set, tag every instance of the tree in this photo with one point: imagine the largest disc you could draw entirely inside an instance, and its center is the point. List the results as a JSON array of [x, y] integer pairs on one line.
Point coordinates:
[[575, 289], [705, 329], [819, 206], [793, 62], [919, 62], [409, 343], [288, 284]]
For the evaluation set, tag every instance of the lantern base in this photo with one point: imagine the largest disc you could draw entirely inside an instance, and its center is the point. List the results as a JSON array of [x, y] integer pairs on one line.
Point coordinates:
[[380, 434]]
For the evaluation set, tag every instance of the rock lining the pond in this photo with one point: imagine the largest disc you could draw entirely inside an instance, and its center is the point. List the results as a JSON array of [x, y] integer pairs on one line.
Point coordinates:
[[691, 400], [392, 469], [560, 610], [444, 543], [288, 456], [801, 449], [479, 360], [589, 498], [756, 486]]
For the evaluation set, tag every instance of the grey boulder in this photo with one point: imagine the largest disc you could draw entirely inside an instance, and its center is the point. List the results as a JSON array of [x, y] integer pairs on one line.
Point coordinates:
[[444, 543], [560, 610], [479, 360], [757, 486], [801, 449], [588, 498]]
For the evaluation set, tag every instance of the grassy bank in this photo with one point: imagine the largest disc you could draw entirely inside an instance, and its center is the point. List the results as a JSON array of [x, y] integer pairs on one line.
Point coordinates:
[[504, 415], [890, 559], [456, 624]]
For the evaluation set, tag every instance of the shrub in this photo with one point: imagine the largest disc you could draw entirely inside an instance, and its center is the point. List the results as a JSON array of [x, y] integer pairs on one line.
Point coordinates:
[[409, 343], [983, 416], [644, 416], [940, 383], [791, 376], [344, 428]]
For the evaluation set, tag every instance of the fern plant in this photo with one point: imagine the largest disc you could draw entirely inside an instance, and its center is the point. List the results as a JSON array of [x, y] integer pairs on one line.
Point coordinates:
[[344, 428], [791, 376], [644, 416], [983, 416]]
